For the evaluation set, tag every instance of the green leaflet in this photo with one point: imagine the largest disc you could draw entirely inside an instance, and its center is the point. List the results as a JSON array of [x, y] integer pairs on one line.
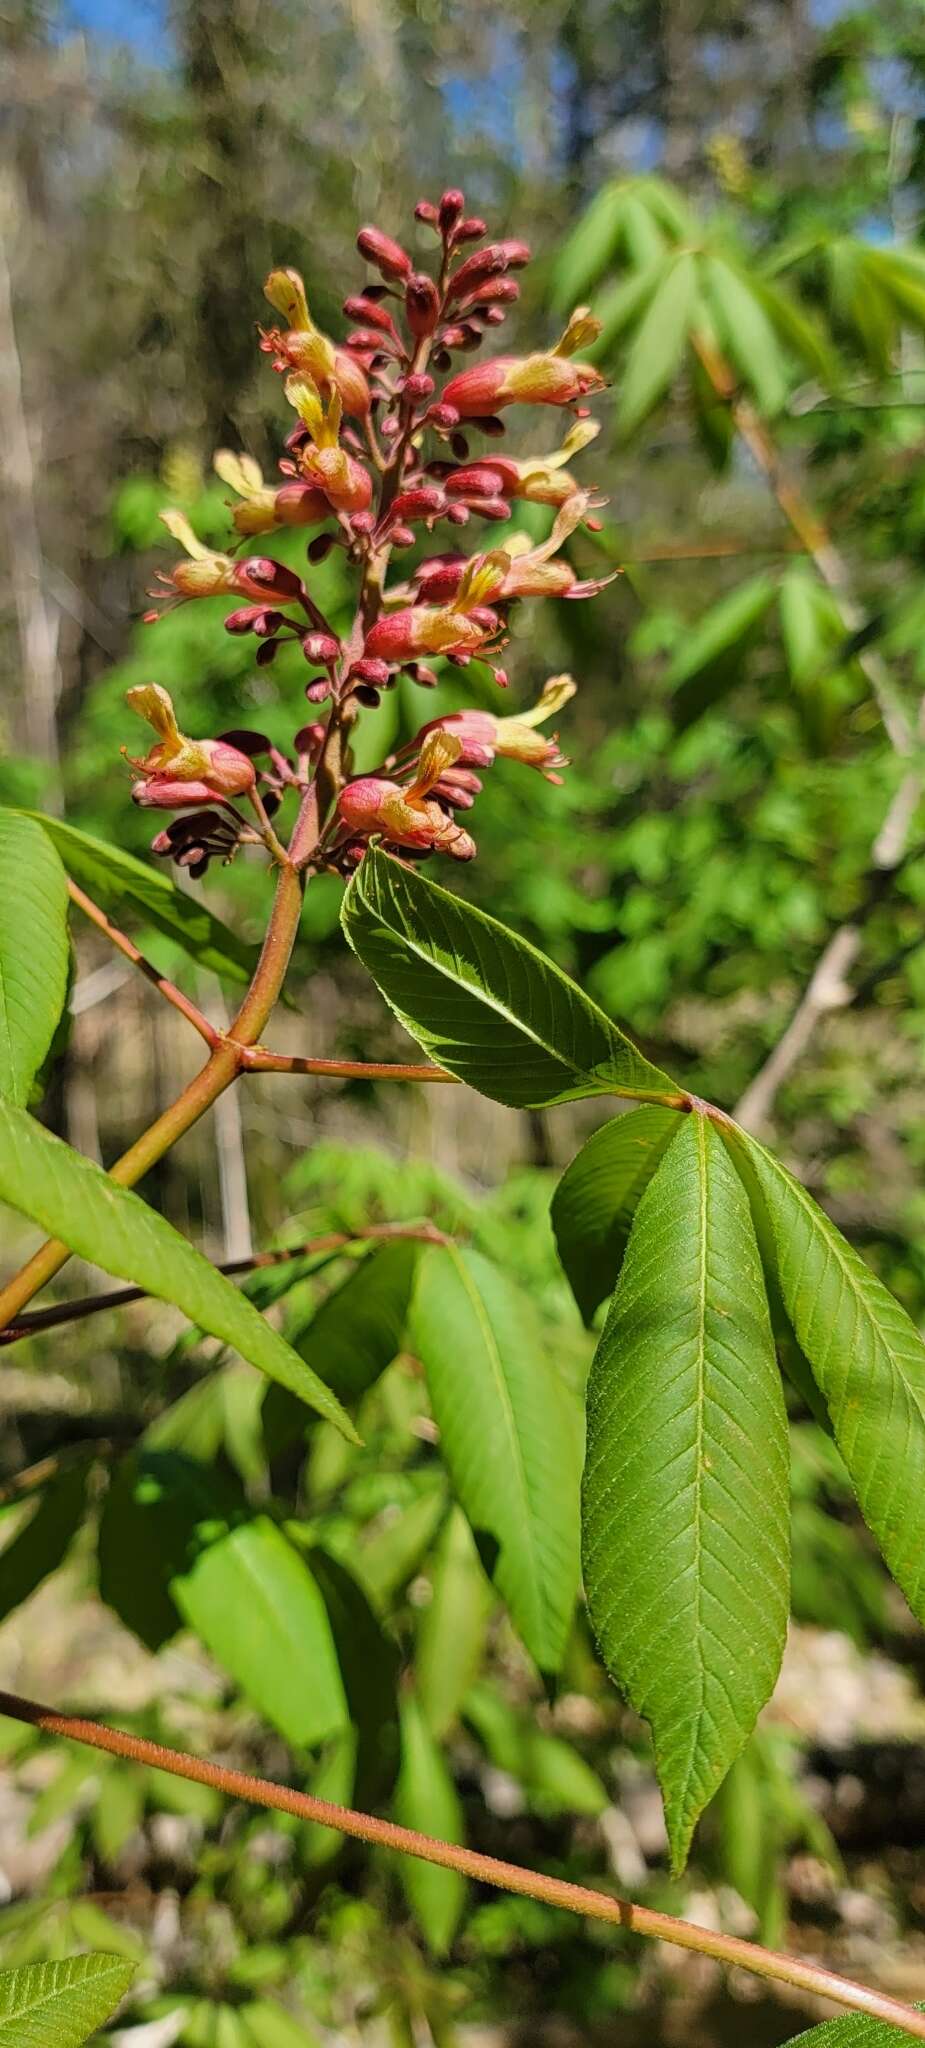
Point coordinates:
[[747, 333], [854, 2030], [120, 883], [74, 1200], [595, 1201], [509, 1435], [589, 248], [60, 2005], [44, 1541], [868, 1361], [254, 1603], [710, 658], [451, 1635], [33, 951], [480, 1000], [426, 1799], [658, 346], [685, 1503]]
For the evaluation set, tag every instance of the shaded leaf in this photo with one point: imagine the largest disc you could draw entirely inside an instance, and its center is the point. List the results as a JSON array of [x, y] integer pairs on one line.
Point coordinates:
[[390, 1553], [482, 1001], [60, 2005], [426, 1799], [686, 1501], [658, 348], [595, 1202], [122, 885], [156, 1505], [368, 1661], [43, 1543], [711, 655], [509, 1435], [867, 1359], [34, 951], [74, 1200], [351, 1338], [451, 1635], [555, 1778], [254, 1603]]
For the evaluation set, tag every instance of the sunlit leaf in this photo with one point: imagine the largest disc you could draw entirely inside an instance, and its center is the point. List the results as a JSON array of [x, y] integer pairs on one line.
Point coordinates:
[[482, 1001], [509, 1435], [595, 1202], [686, 1500], [33, 951], [426, 1799], [60, 2005], [74, 1200], [658, 347]]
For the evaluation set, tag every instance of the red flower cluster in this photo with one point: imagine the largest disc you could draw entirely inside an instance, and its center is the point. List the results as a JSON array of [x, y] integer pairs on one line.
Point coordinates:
[[378, 455]]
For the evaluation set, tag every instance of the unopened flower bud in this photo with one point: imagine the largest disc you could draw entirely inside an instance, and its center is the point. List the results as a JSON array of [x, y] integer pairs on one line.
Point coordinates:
[[426, 212], [424, 502], [318, 689], [260, 576], [254, 618], [443, 417], [450, 208], [470, 230], [422, 304], [417, 387], [402, 536], [320, 647], [477, 481], [366, 310], [310, 738], [484, 263], [494, 291], [391, 260], [494, 316], [368, 670]]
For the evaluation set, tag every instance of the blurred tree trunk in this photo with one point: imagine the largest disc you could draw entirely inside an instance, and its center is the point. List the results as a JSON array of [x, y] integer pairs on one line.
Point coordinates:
[[223, 54]]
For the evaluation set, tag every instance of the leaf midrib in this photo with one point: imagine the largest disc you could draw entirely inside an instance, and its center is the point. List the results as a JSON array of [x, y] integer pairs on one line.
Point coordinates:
[[494, 1003], [55, 1995]]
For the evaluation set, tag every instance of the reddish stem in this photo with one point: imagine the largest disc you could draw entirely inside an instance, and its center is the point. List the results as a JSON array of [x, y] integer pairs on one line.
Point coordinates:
[[510, 1877]]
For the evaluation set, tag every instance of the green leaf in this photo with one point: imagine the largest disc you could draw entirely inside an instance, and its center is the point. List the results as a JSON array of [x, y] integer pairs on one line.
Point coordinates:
[[451, 1636], [481, 1000], [120, 884], [746, 333], [622, 303], [358, 1330], [33, 951], [868, 1361], [426, 1799], [712, 653], [270, 2026], [853, 2030], [387, 1558], [332, 1780], [655, 356], [43, 1543], [60, 2005], [803, 335], [595, 1202], [74, 1200], [157, 1504], [368, 1661], [553, 1775], [254, 1603], [686, 1502], [509, 1435], [587, 251]]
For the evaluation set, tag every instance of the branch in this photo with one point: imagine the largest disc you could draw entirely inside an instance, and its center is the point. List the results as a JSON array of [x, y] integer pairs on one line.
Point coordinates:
[[510, 1877], [159, 981], [258, 1061], [828, 988], [37, 1320]]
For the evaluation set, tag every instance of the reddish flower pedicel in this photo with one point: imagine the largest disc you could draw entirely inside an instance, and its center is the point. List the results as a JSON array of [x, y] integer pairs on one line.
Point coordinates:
[[378, 456]]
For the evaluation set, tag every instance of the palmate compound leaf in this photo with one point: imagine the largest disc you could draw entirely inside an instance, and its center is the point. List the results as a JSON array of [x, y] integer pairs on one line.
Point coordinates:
[[685, 1498], [480, 1000], [33, 951], [867, 1359], [509, 1433], [60, 2005], [595, 1201], [74, 1200]]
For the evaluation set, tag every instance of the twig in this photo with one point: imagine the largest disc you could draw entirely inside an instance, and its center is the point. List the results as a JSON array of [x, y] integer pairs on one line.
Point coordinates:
[[125, 945], [510, 1877], [36, 1320], [257, 1060]]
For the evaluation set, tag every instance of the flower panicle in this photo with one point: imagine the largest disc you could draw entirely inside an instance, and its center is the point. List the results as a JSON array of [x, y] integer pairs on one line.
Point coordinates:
[[379, 456]]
